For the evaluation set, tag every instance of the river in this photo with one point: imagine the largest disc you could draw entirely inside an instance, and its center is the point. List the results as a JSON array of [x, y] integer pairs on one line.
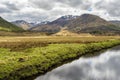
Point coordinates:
[[105, 66]]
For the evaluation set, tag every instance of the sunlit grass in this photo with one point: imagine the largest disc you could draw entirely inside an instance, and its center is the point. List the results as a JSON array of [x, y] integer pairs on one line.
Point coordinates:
[[14, 65]]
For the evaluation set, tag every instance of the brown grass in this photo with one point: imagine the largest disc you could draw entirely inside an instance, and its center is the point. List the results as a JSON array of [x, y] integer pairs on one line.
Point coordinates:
[[21, 43]]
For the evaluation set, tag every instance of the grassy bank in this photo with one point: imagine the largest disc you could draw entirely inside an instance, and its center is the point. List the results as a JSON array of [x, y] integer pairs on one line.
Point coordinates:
[[15, 65], [25, 42]]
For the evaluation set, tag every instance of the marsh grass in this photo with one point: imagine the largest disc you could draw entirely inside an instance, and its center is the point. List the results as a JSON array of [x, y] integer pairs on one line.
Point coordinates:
[[21, 46], [16, 65], [22, 43]]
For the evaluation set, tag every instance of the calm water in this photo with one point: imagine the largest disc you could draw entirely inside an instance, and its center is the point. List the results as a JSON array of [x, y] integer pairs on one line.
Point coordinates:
[[103, 67]]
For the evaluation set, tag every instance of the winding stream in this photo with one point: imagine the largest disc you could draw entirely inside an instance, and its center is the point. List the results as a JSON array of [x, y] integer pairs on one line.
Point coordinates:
[[105, 66]]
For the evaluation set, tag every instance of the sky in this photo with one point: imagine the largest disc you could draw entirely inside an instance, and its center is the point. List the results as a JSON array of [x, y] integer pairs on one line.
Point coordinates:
[[49, 10]]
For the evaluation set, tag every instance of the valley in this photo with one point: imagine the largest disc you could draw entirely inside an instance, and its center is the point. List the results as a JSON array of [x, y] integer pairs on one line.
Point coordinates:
[[26, 51], [59, 40]]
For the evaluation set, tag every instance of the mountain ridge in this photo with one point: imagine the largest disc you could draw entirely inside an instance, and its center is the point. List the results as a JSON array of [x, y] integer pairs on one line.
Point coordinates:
[[63, 20], [88, 23], [7, 26], [23, 24]]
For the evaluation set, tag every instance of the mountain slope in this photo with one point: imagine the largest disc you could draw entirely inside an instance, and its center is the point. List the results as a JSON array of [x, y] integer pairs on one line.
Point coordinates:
[[85, 23], [7, 26], [88, 23], [64, 32], [22, 24], [116, 22], [63, 20], [47, 28], [54, 26]]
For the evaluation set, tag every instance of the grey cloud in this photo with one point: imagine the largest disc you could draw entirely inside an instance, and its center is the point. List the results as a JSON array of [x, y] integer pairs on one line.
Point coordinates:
[[50, 4], [31, 17], [43, 4], [52, 9], [82, 4], [4, 10], [72, 3], [112, 7], [59, 12], [11, 6]]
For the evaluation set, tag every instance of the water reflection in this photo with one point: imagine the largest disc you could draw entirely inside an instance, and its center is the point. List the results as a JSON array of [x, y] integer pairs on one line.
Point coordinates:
[[103, 67]]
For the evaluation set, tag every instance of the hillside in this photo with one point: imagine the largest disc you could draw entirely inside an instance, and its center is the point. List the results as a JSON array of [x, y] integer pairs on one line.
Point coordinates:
[[88, 23], [64, 32], [116, 22], [54, 26], [85, 23], [62, 21], [23, 24], [7, 26], [47, 28]]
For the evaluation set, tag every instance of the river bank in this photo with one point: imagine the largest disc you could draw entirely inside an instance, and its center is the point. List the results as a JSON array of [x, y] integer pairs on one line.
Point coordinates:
[[104, 66], [18, 65]]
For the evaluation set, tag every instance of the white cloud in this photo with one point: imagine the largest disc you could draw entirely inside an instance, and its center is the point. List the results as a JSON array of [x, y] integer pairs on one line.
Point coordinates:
[[40, 10]]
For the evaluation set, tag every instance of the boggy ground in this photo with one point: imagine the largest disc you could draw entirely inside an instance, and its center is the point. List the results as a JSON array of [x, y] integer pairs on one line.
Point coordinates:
[[21, 57]]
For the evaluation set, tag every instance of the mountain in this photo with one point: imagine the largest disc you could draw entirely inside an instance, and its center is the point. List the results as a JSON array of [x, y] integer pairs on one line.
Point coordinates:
[[47, 28], [63, 20], [23, 24], [115, 22], [26, 25], [53, 26], [41, 23], [32, 24], [88, 23], [7, 26], [64, 32]]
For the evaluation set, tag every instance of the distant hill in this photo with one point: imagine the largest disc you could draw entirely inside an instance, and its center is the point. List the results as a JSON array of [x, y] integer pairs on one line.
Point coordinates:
[[88, 23], [63, 20], [47, 28], [115, 22], [23, 24], [54, 26], [26, 25], [64, 32], [41, 23], [7, 26]]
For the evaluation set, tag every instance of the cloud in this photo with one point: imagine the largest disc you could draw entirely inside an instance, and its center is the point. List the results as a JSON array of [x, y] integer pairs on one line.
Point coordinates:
[[111, 6], [82, 4], [4, 10], [43, 4], [11, 6], [41, 10]]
